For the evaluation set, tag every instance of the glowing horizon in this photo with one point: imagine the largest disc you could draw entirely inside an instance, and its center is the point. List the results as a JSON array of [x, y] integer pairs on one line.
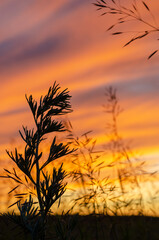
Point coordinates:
[[67, 42]]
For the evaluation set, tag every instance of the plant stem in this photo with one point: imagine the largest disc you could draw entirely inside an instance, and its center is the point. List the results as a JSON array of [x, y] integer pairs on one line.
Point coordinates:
[[38, 190], [38, 176], [121, 11]]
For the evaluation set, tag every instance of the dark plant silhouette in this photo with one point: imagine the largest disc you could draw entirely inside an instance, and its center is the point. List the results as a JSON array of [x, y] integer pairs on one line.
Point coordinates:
[[99, 195], [46, 188], [126, 14], [127, 166], [86, 172], [98, 192], [130, 170]]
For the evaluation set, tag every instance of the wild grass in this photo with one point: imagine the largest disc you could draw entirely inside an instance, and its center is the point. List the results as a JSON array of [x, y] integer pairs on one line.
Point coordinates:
[[43, 189], [97, 195], [125, 13], [102, 200]]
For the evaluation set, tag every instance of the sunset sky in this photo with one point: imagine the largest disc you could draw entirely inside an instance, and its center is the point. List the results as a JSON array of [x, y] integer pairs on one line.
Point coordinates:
[[66, 40]]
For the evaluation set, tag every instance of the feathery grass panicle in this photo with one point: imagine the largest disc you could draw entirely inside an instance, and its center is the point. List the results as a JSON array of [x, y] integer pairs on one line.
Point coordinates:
[[125, 14], [35, 205]]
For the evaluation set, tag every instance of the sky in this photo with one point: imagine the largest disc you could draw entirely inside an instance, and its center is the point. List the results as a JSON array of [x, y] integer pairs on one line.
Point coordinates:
[[66, 41]]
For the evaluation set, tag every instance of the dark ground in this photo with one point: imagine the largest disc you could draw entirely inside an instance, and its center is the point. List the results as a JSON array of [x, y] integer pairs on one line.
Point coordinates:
[[89, 228]]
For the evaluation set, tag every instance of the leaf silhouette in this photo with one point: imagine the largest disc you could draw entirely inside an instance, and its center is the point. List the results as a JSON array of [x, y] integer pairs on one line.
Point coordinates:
[[145, 5], [152, 54]]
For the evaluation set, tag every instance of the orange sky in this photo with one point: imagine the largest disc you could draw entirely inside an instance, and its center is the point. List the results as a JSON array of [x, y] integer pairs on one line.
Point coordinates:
[[66, 40]]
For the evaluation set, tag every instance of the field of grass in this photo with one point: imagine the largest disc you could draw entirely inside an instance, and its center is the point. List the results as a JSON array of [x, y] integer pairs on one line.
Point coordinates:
[[89, 228], [98, 195]]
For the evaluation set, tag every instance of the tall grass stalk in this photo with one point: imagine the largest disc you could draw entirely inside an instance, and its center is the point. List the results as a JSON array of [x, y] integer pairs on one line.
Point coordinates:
[[131, 171], [34, 205], [87, 167], [97, 192]]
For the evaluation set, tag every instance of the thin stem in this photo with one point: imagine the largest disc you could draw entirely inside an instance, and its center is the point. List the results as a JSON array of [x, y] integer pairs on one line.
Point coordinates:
[[121, 11], [38, 177], [42, 237], [31, 179], [150, 25]]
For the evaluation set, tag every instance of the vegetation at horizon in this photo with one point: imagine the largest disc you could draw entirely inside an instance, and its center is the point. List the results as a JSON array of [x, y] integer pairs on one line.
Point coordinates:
[[96, 194]]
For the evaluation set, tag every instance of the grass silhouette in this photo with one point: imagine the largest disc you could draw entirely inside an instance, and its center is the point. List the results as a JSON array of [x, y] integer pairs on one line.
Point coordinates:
[[100, 203], [46, 188], [126, 13], [103, 201], [97, 192]]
